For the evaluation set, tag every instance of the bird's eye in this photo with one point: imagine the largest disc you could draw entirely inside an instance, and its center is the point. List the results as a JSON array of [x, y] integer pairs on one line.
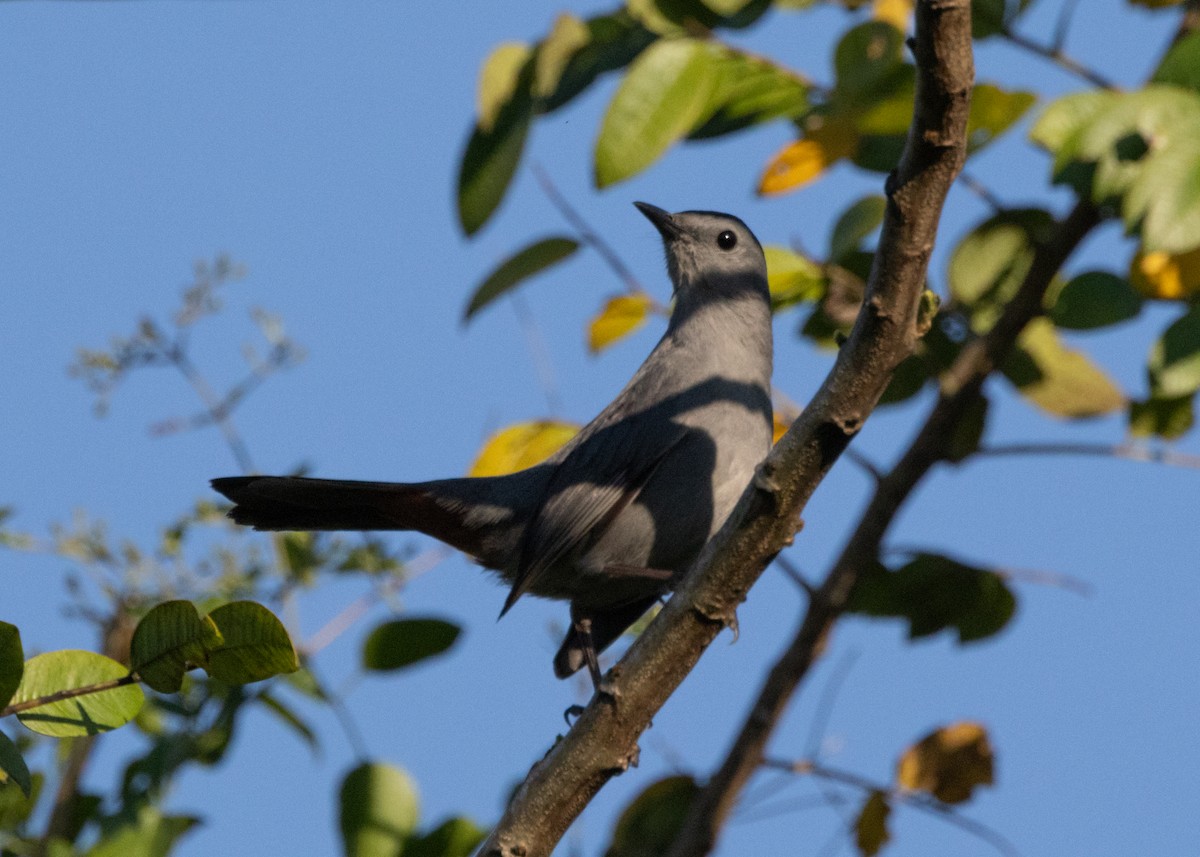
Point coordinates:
[[727, 240]]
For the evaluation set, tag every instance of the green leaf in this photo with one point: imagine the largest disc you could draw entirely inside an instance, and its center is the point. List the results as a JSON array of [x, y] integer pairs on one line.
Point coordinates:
[[1174, 364], [454, 837], [567, 37], [664, 93], [613, 42], [968, 431], [936, 593], [525, 263], [1165, 418], [988, 265], [871, 830], [379, 810], [403, 642], [499, 79], [791, 278], [255, 645], [169, 640], [653, 819], [992, 17], [1163, 200], [1057, 379], [1059, 127], [994, 111], [89, 714], [13, 768], [1181, 65], [855, 224], [1093, 299], [907, 380], [16, 807], [152, 834], [299, 555], [749, 91], [12, 661], [492, 155], [868, 63]]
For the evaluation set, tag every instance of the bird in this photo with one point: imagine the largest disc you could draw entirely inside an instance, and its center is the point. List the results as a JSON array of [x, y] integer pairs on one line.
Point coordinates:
[[613, 519]]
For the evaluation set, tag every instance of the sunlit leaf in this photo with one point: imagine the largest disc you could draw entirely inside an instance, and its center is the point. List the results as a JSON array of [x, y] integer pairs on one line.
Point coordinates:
[[1057, 379], [168, 640], [871, 830], [895, 12], [400, 643], [948, 763], [1174, 363], [653, 819], [791, 278], [151, 834], [803, 160], [89, 714], [936, 593], [525, 263], [566, 39], [12, 661], [868, 62], [379, 810], [1165, 277], [498, 81], [13, 768], [620, 317], [520, 446], [1093, 299], [254, 645], [989, 264], [663, 95], [613, 42]]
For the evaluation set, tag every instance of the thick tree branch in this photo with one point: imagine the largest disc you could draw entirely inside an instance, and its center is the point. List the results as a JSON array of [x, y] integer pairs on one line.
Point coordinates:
[[603, 742], [961, 386]]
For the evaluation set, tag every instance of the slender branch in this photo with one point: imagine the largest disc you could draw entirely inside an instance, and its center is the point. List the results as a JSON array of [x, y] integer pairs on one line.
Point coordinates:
[[69, 693], [603, 741], [982, 191], [1129, 451], [1060, 58], [543, 366], [590, 236], [213, 404]]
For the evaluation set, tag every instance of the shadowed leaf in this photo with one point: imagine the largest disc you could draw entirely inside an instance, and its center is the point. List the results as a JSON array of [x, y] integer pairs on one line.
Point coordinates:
[[525, 263], [1165, 418], [13, 768], [855, 224], [168, 640], [454, 837], [254, 646], [651, 822], [1093, 299], [1174, 364], [379, 810], [404, 642], [12, 661], [871, 830]]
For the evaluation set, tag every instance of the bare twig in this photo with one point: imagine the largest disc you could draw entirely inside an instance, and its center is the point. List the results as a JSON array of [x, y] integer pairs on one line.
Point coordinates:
[[1060, 58], [603, 741], [69, 693], [982, 191], [543, 366], [589, 236], [1129, 451]]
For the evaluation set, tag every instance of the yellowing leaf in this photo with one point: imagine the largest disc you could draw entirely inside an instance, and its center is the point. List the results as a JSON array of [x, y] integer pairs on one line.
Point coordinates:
[[801, 161], [520, 446], [498, 80], [621, 316], [948, 763], [780, 428], [895, 12], [1165, 277], [1058, 379], [791, 278], [567, 37], [870, 831]]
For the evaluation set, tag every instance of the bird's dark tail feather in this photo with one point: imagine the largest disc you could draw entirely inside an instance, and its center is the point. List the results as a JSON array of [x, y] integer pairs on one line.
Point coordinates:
[[296, 503]]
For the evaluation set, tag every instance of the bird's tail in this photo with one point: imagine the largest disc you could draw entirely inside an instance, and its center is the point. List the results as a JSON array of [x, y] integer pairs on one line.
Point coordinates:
[[296, 503]]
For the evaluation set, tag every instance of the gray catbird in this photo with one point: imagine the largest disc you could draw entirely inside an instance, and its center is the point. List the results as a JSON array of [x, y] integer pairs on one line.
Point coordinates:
[[613, 517]]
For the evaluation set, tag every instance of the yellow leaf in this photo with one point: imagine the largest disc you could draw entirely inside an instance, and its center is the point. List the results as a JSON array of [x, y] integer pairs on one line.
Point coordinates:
[[781, 428], [1058, 379], [498, 80], [948, 763], [1165, 277], [894, 12], [801, 161], [621, 316], [520, 446], [870, 831]]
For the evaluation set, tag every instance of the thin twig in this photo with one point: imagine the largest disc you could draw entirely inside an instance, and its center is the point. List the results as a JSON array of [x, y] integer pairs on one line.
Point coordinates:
[[543, 366], [1128, 451], [69, 693], [1060, 58], [586, 233], [794, 574], [982, 191]]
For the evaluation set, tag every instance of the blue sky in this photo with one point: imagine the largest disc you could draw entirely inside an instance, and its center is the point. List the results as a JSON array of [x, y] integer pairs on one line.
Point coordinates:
[[318, 145]]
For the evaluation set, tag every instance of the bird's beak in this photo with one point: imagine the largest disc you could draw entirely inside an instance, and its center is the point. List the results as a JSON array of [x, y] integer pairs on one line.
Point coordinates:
[[662, 220]]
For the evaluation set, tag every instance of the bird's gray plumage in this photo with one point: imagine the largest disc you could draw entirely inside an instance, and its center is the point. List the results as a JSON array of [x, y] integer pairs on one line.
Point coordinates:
[[627, 504]]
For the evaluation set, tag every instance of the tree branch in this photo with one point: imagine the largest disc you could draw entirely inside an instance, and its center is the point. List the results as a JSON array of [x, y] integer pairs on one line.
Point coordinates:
[[603, 742]]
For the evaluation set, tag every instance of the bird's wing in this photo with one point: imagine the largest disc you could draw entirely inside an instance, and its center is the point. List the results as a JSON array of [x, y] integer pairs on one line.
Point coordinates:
[[590, 487]]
